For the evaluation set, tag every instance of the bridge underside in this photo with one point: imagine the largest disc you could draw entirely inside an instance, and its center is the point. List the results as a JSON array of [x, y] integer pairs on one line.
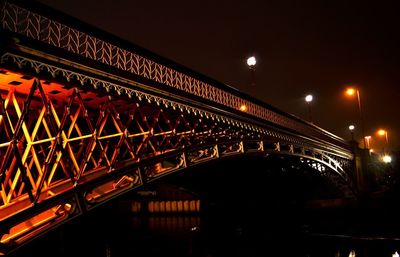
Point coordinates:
[[267, 179]]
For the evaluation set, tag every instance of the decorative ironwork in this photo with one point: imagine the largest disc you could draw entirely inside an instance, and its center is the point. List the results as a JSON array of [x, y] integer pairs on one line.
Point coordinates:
[[38, 27], [92, 83], [65, 147]]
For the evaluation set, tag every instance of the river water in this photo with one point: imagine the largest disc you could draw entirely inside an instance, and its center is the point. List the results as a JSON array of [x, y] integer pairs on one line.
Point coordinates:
[[249, 207], [113, 230]]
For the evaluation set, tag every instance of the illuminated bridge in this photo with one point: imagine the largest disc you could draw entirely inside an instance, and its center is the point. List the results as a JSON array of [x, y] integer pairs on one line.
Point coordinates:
[[86, 117]]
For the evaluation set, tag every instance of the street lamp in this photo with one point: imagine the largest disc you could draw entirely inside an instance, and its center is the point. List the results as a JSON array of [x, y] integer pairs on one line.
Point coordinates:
[[351, 128], [251, 62], [309, 99], [351, 92], [381, 133]]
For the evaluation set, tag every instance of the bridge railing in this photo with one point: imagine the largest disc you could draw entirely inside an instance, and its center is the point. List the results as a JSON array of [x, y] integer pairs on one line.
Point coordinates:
[[52, 28]]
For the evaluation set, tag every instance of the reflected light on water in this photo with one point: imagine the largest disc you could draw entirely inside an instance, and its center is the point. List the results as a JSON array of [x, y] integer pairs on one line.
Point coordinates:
[[395, 254], [352, 253]]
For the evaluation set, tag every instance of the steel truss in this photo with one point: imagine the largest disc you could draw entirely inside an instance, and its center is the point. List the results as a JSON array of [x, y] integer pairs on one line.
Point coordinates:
[[52, 32], [66, 148]]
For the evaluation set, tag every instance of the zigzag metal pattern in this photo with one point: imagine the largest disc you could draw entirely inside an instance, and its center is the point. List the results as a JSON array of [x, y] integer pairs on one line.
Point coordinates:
[[48, 146], [53, 143], [95, 83], [91, 82], [33, 25]]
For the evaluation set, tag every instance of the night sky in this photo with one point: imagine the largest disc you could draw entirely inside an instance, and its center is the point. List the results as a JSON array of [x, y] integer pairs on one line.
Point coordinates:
[[301, 47]]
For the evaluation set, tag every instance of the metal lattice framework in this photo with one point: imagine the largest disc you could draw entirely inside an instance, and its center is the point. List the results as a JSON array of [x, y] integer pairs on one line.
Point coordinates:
[[65, 149], [73, 137], [57, 34]]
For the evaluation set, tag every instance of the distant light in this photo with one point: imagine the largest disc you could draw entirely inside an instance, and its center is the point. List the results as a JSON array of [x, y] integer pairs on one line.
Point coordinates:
[[352, 127], [194, 228], [367, 137], [243, 108], [350, 91], [387, 159], [251, 61], [309, 98], [395, 254], [352, 253], [381, 132], [371, 150]]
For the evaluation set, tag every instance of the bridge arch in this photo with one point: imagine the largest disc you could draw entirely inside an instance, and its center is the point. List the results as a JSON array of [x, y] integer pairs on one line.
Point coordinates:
[[257, 179], [67, 152]]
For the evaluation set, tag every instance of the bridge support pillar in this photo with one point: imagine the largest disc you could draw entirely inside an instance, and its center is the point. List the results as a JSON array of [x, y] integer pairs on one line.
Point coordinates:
[[361, 168]]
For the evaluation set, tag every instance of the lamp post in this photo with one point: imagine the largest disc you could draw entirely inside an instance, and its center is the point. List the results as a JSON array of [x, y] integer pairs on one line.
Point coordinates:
[[251, 63], [351, 128], [368, 139], [351, 92], [309, 99], [381, 133]]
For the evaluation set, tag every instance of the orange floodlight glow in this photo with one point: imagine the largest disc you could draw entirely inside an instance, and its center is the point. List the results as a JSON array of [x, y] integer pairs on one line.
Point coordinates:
[[350, 91]]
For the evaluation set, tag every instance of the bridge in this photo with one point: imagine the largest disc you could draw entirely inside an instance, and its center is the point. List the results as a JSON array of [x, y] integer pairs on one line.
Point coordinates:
[[86, 117]]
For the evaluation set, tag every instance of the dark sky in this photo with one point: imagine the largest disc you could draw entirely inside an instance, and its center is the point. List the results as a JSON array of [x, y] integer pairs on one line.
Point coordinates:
[[301, 47]]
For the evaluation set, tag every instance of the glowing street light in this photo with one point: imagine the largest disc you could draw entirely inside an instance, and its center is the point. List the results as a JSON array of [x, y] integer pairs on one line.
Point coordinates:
[[384, 133], [251, 62], [351, 128], [351, 92], [309, 99]]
